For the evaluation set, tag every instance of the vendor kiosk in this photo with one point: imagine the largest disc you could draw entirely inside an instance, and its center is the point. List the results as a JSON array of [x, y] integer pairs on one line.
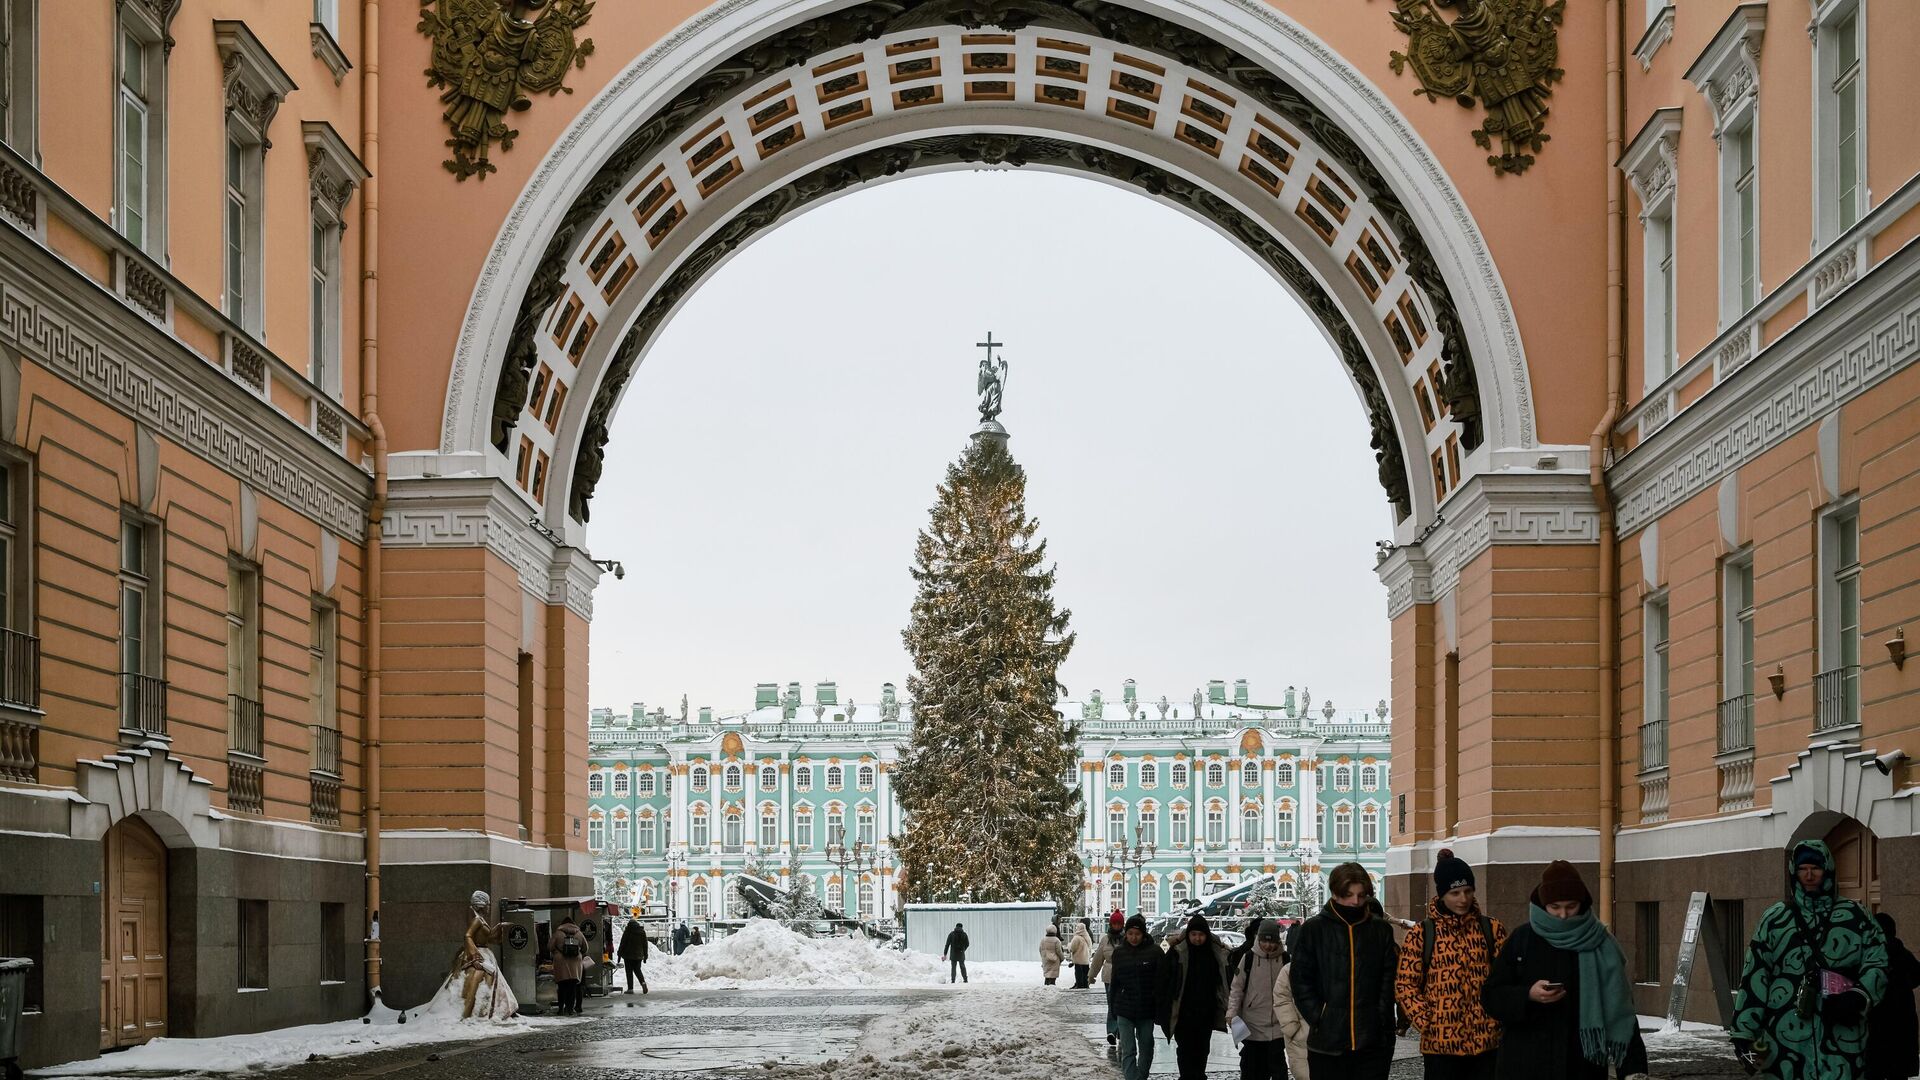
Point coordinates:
[[526, 930]]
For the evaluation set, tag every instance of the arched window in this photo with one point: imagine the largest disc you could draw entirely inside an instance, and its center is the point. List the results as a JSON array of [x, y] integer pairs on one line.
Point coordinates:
[[1149, 897], [622, 834], [769, 826], [1149, 830], [1343, 827], [1370, 828], [1179, 775], [1283, 825], [1216, 824], [1343, 777], [646, 835], [1216, 774], [1149, 774], [1117, 895], [700, 899], [699, 781], [769, 778], [803, 777], [865, 777], [1369, 777], [1182, 824], [699, 836], [734, 828], [863, 821], [1116, 775], [836, 897], [1283, 774], [1250, 825], [1286, 889], [596, 834], [1177, 894], [803, 828], [1250, 773], [834, 777], [733, 778], [866, 899], [596, 784], [622, 783], [644, 785]]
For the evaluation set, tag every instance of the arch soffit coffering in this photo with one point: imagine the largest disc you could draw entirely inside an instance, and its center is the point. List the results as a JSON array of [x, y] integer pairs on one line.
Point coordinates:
[[1341, 109]]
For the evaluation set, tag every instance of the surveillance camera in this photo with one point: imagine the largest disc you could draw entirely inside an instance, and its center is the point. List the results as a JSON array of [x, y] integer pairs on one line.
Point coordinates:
[[619, 572], [1885, 762]]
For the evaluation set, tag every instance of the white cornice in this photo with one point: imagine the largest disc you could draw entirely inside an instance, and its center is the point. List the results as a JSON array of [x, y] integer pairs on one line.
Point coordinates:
[[1408, 578], [1650, 159], [1520, 506], [1659, 32], [1728, 69], [468, 512], [255, 83]]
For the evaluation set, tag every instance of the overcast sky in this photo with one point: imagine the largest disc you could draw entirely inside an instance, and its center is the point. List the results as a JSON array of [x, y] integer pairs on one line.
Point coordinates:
[[1196, 457]]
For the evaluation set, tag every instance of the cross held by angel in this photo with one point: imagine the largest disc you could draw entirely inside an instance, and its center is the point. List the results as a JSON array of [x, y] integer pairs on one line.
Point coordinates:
[[992, 384]]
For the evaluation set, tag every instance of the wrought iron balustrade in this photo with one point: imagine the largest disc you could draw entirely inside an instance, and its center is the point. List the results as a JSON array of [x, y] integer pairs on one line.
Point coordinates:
[[143, 704], [19, 669], [326, 750], [245, 719], [1653, 745], [1736, 724], [1836, 698]]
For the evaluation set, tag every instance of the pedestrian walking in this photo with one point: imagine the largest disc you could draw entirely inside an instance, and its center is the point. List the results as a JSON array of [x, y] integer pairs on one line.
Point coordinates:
[[570, 960], [1444, 963], [1817, 962], [1559, 988], [633, 953], [1343, 968], [680, 938], [1050, 956], [1293, 1027], [1081, 953], [1133, 977], [1193, 995], [1116, 926], [1893, 1033], [1254, 1000], [955, 953]]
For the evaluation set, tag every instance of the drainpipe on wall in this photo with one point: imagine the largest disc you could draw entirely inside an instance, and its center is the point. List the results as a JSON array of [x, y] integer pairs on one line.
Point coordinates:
[[1606, 726], [370, 415]]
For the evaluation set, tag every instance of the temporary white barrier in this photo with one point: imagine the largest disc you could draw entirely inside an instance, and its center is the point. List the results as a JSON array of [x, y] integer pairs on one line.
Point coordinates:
[[994, 931]]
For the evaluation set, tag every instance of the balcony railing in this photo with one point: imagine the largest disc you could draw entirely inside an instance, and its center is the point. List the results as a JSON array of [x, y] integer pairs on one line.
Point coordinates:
[[1836, 698], [1653, 745], [244, 717], [143, 705], [19, 750], [326, 750], [19, 669], [324, 804], [245, 785], [1736, 724]]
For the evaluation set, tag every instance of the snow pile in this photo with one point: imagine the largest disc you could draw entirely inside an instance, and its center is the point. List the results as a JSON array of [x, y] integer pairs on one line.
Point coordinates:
[[764, 954], [1690, 1038], [1008, 1036], [292, 1046]]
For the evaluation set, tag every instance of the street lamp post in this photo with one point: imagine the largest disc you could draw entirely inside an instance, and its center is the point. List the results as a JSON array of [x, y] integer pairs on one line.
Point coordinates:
[[1129, 859], [860, 859]]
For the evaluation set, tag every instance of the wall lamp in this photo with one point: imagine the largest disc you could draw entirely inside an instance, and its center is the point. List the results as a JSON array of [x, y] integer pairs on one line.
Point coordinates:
[[613, 567], [1778, 681], [1897, 648]]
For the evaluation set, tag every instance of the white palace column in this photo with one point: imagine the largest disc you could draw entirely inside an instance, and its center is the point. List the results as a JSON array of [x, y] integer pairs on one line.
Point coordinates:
[[1233, 804], [1268, 821], [1097, 810], [677, 777], [1087, 807], [785, 769], [1307, 769], [883, 828]]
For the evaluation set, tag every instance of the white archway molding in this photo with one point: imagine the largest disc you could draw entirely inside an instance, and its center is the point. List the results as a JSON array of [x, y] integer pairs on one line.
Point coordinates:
[[1348, 100], [148, 783]]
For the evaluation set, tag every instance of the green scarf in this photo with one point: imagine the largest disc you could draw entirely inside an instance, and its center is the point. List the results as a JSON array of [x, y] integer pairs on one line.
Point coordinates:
[[1608, 1021]]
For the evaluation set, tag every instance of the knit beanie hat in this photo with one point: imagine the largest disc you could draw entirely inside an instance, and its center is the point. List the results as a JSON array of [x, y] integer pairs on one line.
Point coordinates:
[[1269, 931], [1137, 919], [1561, 883], [1199, 922], [1450, 873], [1807, 855], [1116, 920]]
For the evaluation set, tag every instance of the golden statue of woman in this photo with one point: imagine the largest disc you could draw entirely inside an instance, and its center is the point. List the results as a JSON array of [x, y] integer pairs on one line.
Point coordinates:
[[483, 993]]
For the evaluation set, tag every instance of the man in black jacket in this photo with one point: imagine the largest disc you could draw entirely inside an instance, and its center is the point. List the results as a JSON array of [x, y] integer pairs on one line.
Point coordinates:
[[1133, 977], [1343, 968], [955, 953]]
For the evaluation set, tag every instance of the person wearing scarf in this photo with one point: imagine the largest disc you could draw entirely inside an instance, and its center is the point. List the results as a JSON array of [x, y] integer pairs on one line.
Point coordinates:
[[1559, 988], [1816, 964]]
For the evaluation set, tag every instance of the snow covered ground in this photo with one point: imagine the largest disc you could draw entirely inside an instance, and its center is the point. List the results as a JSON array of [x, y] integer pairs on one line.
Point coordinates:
[[244, 1054], [1008, 1034], [766, 955]]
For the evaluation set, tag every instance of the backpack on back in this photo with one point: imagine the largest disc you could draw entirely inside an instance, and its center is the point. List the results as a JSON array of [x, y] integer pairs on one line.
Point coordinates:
[[570, 946]]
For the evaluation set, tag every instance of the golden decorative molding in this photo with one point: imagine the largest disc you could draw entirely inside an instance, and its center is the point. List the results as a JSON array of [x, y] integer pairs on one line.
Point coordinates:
[[1499, 55], [490, 61]]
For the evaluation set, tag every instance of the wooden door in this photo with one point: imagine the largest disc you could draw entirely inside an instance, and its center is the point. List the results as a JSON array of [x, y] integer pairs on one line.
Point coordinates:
[[1856, 863], [133, 938]]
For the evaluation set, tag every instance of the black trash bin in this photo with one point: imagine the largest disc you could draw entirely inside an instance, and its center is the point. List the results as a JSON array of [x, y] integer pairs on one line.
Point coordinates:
[[13, 995]]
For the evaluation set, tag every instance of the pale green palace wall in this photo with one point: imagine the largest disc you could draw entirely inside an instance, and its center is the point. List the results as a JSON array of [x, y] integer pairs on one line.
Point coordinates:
[[1217, 783]]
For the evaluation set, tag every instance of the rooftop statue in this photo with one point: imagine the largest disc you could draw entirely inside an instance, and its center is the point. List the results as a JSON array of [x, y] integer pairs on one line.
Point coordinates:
[[992, 384]]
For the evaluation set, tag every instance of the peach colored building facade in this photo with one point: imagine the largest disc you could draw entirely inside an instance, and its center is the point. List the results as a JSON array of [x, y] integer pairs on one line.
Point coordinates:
[[1666, 360]]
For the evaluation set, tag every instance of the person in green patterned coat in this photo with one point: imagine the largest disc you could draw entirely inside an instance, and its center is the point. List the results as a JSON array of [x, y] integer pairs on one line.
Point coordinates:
[[1816, 963]]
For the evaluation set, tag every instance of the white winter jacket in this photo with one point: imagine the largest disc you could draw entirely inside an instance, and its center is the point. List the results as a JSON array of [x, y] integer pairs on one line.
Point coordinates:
[[1292, 1027], [1082, 946], [1050, 956]]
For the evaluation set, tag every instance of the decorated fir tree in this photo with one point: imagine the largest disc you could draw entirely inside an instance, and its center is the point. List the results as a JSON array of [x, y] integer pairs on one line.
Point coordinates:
[[988, 783]]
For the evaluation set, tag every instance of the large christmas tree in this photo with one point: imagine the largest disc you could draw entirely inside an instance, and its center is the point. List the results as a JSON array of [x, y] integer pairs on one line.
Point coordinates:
[[988, 784]]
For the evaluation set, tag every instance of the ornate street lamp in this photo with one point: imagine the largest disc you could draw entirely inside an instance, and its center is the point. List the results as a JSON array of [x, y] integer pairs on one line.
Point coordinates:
[[1129, 859], [860, 859]]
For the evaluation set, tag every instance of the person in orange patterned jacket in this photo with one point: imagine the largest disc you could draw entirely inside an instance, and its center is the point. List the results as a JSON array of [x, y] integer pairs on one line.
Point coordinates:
[[1443, 964]]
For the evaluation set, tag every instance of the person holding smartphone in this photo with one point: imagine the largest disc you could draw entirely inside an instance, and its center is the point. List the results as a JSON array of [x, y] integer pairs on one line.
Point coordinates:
[[1559, 989]]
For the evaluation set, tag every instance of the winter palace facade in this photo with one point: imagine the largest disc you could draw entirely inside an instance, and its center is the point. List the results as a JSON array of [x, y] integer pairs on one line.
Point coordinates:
[[1221, 789]]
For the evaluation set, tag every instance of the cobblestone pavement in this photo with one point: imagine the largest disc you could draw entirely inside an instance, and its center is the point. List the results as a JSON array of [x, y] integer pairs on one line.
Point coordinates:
[[728, 1034]]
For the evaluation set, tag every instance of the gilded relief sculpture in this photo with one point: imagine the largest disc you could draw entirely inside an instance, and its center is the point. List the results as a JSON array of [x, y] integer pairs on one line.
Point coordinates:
[[491, 56], [1500, 55]]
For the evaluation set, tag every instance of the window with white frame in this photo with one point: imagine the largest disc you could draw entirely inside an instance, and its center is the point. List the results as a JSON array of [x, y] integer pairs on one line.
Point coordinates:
[[142, 698], [1370, 827], [596, 784], [645, 835], [1117, 894], [644, 784], [1250, 773], [803, 828], [1149, 774], [1149, 824], [769, 826], [1651, 163], [834, 777], [863, 823], [1343, 827], [863, 778], [1116, 775], [733, 835], [1283, 774], [622, 833], [139, 128], [241, 225], [1283, 825], [700, 901], [596, 834], [1178, 777], [836, 828], [1736, 624], [1837, 687], [1177, 894], [1287, 890], [698, 781], [732, 775], [769, 778], [1841, 115], [1216, 774], [699, 835], [1149, 897], [1343, 777], [1653, 724], [866, 899], [836, 896], [1727, 74], [1250, 824], [622, 784], [1742, 192], [255, 85], [1117, 824], [19, 84], [1216, 824], [1662, 299], [1369, 777], [1181, 825], [803, 778], [326, 13]]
